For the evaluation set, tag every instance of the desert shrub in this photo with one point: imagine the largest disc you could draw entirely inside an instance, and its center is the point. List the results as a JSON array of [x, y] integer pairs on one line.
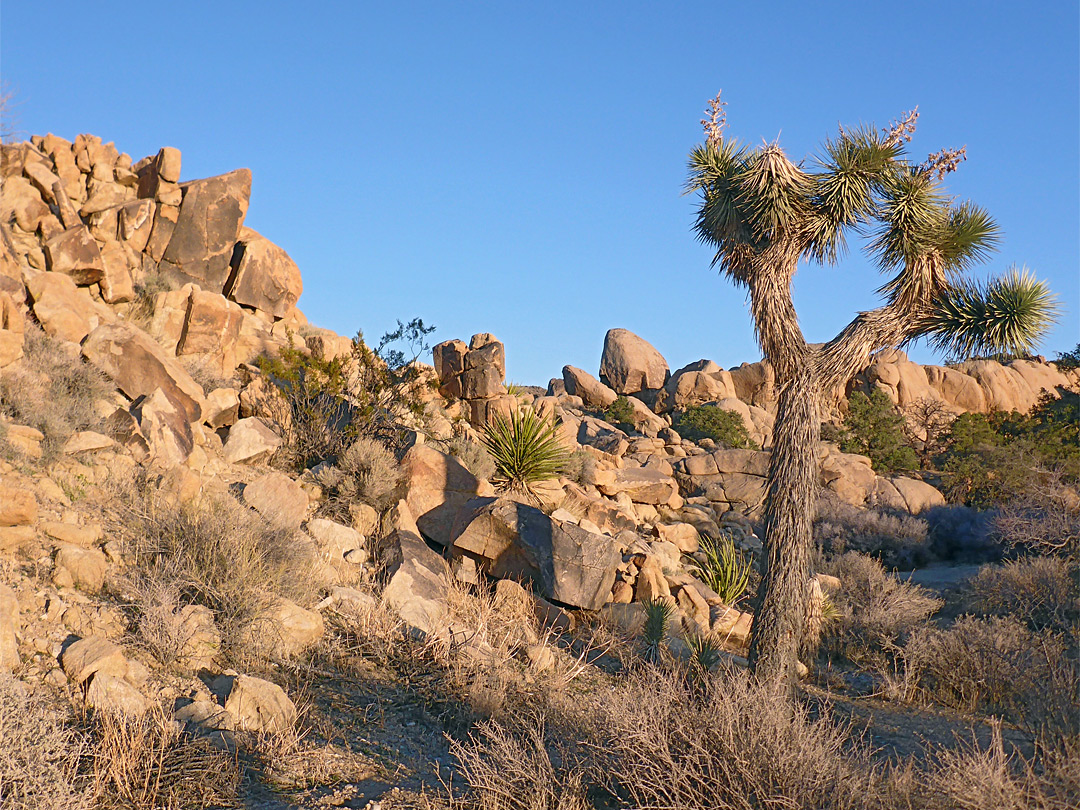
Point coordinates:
[[365, 471], [526, 449], [513, 771], [873, 609], [1068, 361], [215, 553], [874, 428], [580, 467], [724, 427], [473, 456], [727, 742], [328, 403], [958, 532], [40, 752], [620, 413], [52, 390], [1045, 519], [1042, 592], [896, 538], [926, 426], [145, 763], [723, 568], [999, 666]]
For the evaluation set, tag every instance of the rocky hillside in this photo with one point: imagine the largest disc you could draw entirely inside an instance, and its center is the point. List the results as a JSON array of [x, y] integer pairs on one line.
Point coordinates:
[[133, 309]]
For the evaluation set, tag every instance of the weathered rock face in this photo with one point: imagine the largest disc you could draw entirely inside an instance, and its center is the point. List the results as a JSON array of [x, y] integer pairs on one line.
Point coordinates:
[[474, 374], [63, 310], [643, 485], [696, 384], [417, 587], [139, 366], [250, 441], [278, 498], [208, 224], [212, 324], [566, 563], [631, 364], [579, 383], [438, 485], [256, 705], [75, 253], [263, 276]]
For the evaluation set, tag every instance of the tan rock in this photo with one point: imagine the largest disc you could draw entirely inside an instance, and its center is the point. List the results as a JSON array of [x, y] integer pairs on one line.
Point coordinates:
[[165, 219], [212, 324], [24, 439], [207, 228], [278, 498], [71, 533], [250, 441], [630, 364], [79, 567], [285, 630], [18, 507], [683, 536], [113, 695], [222, 407], [643, 485], [91, 656], [437, 486], [19, 200], [13, 538], [257, 705], [74, 253], [10, 626], [582, 384], [63, 310], [116, 283], [264, 276], [135, 222], [449, 357], [139, 366], [165, 427], [918, 495]]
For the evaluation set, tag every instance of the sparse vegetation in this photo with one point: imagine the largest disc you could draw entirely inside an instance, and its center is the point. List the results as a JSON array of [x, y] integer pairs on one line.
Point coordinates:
[[620, 413], [526, 449], [724, 427], [898, 539], [874, 428], [366, 472]]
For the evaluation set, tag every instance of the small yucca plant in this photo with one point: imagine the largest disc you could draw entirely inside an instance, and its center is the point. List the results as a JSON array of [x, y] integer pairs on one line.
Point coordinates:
[[705, 651], [724, 569], [1006, 317], [525, 448], [658, 615]]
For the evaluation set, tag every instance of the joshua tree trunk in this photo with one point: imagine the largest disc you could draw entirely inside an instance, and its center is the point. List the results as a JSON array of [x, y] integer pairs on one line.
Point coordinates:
[[779, 624]]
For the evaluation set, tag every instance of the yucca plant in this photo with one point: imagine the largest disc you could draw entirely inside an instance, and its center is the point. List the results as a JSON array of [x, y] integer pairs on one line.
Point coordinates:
[[1002, 318], [705, 652], [724, 569], [525, 448], [658, 615]]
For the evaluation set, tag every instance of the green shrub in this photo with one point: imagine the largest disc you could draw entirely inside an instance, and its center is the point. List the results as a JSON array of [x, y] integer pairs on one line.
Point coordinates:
[[875, 429], [328, 403], [526, 450], [620, 413], [724, 427], [1068, 361], [723, 569]]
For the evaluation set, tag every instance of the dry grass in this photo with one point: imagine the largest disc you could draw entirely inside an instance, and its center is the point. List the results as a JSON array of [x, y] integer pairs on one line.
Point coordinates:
[[366, 471], [1042, 592], [40, 752], [873, 609], [218, 554], [998, 666], [52, 372], [472, 455]]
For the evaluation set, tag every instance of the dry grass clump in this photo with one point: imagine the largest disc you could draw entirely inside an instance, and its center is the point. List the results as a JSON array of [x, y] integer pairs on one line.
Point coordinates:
[[513, 771], [999, 666], [366, 471], [53, 390], [472, 455], [898, 539], [1042, 592], [1044, 519], [40, 752], [873, 609], [729, 743], [215, 553], [146, 764]]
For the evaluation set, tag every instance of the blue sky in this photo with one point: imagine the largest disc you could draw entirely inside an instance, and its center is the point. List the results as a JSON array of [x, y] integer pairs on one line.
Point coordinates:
[[517, 168]]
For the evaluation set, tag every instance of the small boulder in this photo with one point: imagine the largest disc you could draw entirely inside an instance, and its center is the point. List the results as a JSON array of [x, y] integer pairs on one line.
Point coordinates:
[[255, 704], [250, 441], [79, 567], [93, 655], [437, 486], [264, 276], [278, 498], [630, 364]]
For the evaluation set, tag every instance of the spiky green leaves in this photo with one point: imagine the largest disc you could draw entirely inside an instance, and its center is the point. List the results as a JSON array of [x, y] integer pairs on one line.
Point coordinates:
[[525, 448], [723, 569], [1005, 317]]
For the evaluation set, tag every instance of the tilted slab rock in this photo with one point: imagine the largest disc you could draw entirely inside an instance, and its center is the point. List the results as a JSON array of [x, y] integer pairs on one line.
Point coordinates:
[[566, 563], [139, 366], [164, 426], [438, 485], [92, 655], [250, 441], [417, 588], [211, 215], [278, 498], [642, 484], [630, 364], [212, 324], [580, 383], [263, 276], [75, 253], [64, 310]]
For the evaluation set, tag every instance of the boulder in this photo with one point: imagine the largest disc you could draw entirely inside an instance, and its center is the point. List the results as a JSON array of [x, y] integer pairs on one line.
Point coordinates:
[[18, 507], [582, 384], [278, 498], [139, 366], [449, 358], [849, 475], [630, 364], [208, 223], [116, 283], [566, 563], [417, 586], [263, 276], [165, 428], [79, 567], [437, 486], [222, 407], [734, 460], [20, 201], [696, 384], [110, 694], [212, 324], [135, 221], [643, 485], [90, 656], [63, 310], [250, 441], [12, 330], [1005, 389], [755, 383], [74, 253], [255, 704], [956, 389], [918, 495], [285, 630]]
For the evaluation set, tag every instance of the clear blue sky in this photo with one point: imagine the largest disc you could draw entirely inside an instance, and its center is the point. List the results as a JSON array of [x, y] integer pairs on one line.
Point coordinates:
[[516, 168]]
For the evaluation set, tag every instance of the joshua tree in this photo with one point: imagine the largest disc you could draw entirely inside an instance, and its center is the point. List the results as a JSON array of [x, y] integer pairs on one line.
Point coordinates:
[[763, 214]]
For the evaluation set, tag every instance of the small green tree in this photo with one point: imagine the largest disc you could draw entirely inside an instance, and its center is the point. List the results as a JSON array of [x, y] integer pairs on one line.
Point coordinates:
[[620, 413], [873, 428]]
